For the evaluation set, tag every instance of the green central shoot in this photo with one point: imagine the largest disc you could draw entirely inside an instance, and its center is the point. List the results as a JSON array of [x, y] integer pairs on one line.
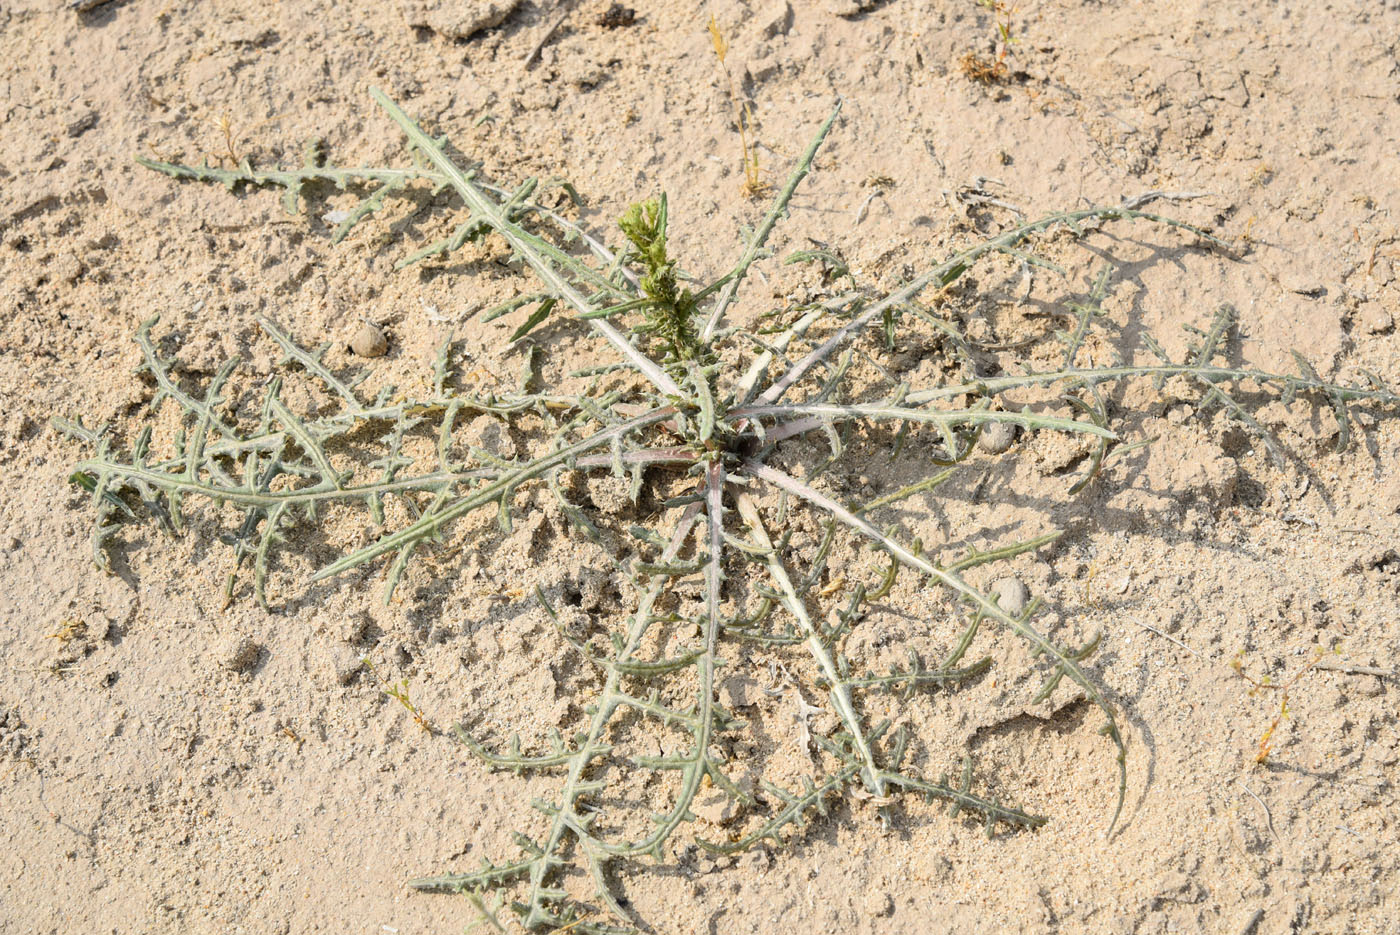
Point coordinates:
[[670, 309]]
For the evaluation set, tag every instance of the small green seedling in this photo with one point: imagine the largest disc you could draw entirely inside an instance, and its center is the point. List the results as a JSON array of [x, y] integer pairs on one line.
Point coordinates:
[[994, 70], [399, 692]]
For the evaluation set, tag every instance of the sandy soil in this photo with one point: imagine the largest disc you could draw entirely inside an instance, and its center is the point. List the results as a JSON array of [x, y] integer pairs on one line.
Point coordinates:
[[168, 766]]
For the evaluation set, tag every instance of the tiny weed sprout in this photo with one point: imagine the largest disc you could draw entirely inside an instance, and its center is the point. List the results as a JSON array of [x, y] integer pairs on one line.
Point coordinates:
[[754, 186], [735, 437], [996, 70], [1266, 742], [399, 692]]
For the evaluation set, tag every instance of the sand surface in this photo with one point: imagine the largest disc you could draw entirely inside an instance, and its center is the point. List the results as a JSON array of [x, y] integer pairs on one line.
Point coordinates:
[[168, 765]]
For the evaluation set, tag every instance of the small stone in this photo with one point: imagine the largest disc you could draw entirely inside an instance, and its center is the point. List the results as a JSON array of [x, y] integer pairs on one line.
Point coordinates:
[[617, 16], [824, 723], [1012, 595], [82, 123], [608, 493], [1194, 124], [997, 437], [1056, 452], [738, 692], [1212, 479], [490, 435], [757, 860], [355, 628], [775, 19], [343, 664], [849, 8], [369, 341], [238, 653], [457, 19], [1303, 285], [597, 590], [878, 904], [1376, 559], [1228, 86], [763, 68], [1180, 887], [67, 268], [715, 807], [1375, 319], [1370, 686], [1382, 271], [1180, 414]]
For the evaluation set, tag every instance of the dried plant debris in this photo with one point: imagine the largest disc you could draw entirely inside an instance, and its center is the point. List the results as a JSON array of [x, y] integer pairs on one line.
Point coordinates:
[[735, 437], [617, 16]]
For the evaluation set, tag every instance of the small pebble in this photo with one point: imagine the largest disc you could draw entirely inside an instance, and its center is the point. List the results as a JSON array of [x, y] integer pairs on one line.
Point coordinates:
[[1382, 270], [1012, 595], [489, 434], [775, 19], [344, 664], [738, 692], [238, 653], [878, 904], [758, 859], [1375, 319], [355, 628], [369, 341], [82, 123], [617, 16], [996, 437], [1303, 285], [608, 493], [1371, 686], [715, 807], [1180, 414], [825, 723]]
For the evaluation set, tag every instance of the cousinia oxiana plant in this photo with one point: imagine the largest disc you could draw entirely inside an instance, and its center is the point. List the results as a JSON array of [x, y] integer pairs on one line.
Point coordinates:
[[736, 436]]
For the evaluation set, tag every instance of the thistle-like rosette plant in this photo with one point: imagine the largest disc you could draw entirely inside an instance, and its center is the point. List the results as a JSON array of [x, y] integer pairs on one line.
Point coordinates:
[[731, 432]]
